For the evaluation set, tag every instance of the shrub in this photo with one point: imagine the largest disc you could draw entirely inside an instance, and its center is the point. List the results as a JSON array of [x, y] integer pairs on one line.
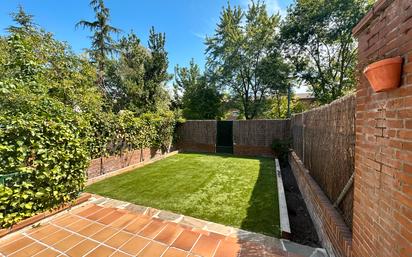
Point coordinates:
[[281, 148], [42, 163]]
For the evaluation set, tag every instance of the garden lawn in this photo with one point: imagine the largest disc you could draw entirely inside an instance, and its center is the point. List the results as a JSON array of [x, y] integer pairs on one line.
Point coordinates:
[[235, 191]]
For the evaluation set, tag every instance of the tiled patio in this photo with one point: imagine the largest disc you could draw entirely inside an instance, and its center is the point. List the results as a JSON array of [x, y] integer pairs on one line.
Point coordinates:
[[131, 230]]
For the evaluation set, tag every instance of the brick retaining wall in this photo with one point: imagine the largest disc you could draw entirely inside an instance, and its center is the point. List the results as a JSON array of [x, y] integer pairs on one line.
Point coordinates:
[[335, 236], [108, 164]]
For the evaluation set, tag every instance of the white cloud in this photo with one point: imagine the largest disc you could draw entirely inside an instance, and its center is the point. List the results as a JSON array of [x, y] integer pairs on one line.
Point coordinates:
[[272, 6]]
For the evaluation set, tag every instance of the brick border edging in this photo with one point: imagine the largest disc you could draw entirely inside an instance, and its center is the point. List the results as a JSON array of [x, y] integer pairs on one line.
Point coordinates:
[[43, 215], [285, 231], [335, 236], [128, 168]]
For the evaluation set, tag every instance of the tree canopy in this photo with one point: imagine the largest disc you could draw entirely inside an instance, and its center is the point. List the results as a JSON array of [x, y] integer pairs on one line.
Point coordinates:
[[317, 38], [243, 56]]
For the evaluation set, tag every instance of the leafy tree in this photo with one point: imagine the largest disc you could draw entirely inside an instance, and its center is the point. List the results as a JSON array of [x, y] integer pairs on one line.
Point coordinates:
[[156, 76], [278, 107], [194, 95], [317, 35], [138, 78], [37, 66], [240, 53], [102, 41]]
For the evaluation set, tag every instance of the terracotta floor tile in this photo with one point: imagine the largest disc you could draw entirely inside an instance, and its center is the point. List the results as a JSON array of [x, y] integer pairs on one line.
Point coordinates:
[[186, 240], [137, 225], [101, 251], [78, 209], [56, 237], [111, 217], [173, 252], [15, 245], [82, 248], [68, 242], [65, 220], [153, 229], [169, 234], [227, 249], [104, 234], [89, 211], [119, 254], [100, 214], [123, 221], [118, 239], [30, 250], [79, 225], [154, 249], [47, 253], [135, 245], [205, 246], [91, 229], [43, 231]]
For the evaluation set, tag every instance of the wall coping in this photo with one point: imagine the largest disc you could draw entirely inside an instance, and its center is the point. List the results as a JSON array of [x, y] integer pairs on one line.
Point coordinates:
[[372, 14]]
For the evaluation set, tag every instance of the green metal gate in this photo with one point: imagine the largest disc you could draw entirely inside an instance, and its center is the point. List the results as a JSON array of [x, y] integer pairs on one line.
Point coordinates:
[[224, 137]]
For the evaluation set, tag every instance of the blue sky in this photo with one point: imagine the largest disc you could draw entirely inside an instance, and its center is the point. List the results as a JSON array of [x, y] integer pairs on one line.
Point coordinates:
[[185, 22]]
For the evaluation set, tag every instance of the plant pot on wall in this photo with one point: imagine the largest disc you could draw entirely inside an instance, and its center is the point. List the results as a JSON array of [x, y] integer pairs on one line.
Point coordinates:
[[384, 75]]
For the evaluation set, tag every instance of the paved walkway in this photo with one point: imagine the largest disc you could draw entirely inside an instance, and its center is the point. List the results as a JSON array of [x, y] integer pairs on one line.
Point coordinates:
[[105, 227]]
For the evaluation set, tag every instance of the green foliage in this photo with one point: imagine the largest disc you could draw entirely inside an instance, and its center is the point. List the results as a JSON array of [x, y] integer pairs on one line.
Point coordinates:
[[197, 98], [114, 134], [278, 107], [281, 148], [102, 41], [47, 157], [317, 35], [243, 56], [54, 118], [139, 76]]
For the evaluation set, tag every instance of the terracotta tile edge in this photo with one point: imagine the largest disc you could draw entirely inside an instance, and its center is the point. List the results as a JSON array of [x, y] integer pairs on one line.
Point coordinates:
[[40, 216]]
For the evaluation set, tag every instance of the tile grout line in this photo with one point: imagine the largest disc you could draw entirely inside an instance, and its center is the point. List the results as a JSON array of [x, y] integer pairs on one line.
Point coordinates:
[[150, 240], [47, 246], [218, 244], [193, 246]]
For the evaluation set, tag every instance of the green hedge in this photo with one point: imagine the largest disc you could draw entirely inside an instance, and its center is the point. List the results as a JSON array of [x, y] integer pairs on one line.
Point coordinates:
[[114, 134], [43, 160], [44, 155]]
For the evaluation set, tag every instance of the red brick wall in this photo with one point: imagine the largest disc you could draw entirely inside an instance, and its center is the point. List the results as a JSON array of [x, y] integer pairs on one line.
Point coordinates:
[[335, 236], [108, 164], [382, 216]]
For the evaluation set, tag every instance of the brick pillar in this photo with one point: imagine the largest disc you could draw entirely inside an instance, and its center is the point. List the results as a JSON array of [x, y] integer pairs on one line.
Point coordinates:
[[382, 211]]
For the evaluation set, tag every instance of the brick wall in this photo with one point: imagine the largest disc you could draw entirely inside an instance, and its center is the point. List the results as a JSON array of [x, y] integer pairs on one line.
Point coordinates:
[[108, 164], [333, 233], [382, 217], [324, 139]]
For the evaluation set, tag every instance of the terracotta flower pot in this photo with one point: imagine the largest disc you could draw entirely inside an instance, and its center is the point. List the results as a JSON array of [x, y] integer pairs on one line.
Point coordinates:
[[384, 75]]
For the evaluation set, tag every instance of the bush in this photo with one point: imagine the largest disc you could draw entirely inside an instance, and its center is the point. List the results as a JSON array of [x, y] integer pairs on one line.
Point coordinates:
[[281, 148], [43, 159]]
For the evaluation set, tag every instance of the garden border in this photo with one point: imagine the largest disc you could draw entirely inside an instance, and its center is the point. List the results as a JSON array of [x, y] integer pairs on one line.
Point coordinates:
[[285, 231]]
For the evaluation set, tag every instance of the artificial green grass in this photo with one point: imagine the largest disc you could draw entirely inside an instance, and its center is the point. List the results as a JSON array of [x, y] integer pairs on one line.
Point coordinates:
[[235, 191]]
